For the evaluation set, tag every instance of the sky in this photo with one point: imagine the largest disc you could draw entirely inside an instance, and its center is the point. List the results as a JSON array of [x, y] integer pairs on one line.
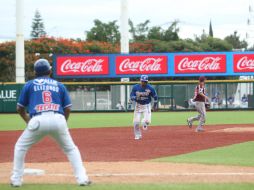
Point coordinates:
[[71, 18]]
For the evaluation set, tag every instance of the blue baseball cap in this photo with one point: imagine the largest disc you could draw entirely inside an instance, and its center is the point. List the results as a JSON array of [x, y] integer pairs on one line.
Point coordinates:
[[42, 66], [144, 78]]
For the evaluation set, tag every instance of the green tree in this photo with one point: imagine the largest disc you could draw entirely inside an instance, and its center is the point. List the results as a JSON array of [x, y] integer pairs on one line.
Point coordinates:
[[235, 41], [171, 34], [155, 33], [140, 31], [104, 32], [38, 29]]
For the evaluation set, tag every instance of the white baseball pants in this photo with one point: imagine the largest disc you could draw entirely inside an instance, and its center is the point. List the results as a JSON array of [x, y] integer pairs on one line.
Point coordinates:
[[201, 117], [54, 125], [140, 110]]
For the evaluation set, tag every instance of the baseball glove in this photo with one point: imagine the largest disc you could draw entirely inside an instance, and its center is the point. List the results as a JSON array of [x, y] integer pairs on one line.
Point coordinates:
[[207, 105]]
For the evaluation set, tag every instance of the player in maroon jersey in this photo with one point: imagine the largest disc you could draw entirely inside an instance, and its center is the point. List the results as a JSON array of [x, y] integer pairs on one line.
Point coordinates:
[[199, 98]]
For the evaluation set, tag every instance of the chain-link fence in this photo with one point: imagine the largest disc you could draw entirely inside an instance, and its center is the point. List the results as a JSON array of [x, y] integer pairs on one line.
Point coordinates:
[[223, 95], [172, 95]]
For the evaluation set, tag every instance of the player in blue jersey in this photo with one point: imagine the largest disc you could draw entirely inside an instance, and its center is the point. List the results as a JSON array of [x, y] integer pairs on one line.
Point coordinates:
[[49, 107], [142, 94]]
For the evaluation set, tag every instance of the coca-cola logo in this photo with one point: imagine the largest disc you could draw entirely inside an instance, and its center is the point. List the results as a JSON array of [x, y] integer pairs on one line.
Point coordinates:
[[141, 64], [200, 63], [243, 63], [82, 65], [90, 65]]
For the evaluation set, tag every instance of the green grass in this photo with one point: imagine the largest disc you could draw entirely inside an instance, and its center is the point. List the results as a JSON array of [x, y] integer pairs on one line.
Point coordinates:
[[238, 154], [93, 120], [244, 186]]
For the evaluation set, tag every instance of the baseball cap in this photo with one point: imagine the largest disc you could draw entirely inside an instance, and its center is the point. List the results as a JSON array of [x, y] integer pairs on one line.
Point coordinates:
[[144, 78]]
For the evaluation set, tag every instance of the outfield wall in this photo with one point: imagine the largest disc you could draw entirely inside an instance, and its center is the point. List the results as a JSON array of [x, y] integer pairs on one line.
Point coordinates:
[[173, 96]]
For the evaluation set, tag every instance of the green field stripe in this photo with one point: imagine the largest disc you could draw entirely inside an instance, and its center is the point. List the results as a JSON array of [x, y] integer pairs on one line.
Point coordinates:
[[238, 154], [95, 120]]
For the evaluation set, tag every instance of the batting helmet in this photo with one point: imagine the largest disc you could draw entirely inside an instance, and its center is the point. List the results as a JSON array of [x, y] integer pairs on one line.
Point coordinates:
[[202, 79], [42, 67], [144, 78]]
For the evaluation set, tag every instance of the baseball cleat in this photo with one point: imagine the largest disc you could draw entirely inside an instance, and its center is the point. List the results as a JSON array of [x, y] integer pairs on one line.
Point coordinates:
[[138, 137], [16, 184], [145, 127], [200, 129], [85, 183], [189, 123]]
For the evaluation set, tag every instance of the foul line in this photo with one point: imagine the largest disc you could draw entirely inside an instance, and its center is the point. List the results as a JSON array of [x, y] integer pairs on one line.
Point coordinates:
[[158, 174]]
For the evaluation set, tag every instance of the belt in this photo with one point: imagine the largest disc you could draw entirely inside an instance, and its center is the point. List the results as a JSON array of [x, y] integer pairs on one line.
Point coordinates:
[[45, 113]]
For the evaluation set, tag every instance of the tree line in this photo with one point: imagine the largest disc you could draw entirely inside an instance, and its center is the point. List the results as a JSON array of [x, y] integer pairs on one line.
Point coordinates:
[[104, 37]]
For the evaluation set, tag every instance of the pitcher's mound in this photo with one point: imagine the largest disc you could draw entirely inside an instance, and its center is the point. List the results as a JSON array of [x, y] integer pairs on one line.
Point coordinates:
[[236, 130]]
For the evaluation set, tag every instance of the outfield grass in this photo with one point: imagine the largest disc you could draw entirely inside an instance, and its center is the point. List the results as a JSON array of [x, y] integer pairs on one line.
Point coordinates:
[[238, 154], [93, 120], [244, 186]]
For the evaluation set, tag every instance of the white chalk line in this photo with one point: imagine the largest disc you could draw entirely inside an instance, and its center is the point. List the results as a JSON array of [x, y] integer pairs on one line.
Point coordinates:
[[158, 174]]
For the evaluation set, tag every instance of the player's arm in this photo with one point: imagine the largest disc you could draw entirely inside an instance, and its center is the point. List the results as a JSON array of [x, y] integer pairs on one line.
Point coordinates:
[[199, 93], [23, 114], [67, 112], [23, 101], [204, 95], [133, 94], [66, 102], [155, 99]]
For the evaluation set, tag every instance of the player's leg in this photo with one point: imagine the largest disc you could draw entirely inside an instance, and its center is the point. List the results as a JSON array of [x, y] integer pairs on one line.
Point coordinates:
[[190, 120], [136, 128], [62, 136], [147, 115], [31, 135], [202, 111]]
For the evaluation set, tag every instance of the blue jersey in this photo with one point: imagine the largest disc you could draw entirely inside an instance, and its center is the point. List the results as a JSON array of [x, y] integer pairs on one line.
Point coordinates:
[[143, 95], [44, 94]]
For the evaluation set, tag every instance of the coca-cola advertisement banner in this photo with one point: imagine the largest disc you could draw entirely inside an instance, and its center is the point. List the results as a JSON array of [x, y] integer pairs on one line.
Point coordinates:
[[82, 65], [211, 63], [154, 64], [243, 63], [133, 65]]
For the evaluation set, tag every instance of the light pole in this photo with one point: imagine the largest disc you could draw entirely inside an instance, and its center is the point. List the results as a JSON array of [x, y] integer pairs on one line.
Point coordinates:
[[124, 30], [20, 47]]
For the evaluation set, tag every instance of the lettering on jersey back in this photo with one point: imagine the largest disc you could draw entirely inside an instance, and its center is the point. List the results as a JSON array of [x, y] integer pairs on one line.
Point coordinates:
[[45, 85]]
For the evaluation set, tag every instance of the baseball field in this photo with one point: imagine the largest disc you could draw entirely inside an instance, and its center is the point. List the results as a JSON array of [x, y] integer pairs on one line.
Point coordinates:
[[170, 155]]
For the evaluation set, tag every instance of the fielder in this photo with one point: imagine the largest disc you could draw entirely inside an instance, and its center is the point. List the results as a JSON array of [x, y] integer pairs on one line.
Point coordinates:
[[142, 94], [199, 100], [49, 107]]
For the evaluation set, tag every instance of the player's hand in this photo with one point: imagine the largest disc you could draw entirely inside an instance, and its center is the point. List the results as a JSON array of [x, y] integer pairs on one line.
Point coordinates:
[[133, 98], [155, 107]]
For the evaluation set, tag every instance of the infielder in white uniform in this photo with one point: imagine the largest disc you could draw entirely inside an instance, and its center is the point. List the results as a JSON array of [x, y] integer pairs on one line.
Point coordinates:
[[49, 106], [142, 94]]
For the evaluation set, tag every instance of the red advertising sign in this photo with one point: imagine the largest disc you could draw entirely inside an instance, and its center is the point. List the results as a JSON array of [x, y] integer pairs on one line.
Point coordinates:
[[243, 63], [139, 64], [82, 65], [210, 63]]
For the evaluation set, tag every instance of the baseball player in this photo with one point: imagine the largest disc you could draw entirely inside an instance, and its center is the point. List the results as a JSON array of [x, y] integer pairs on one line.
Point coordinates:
[[199, 100], [142, 94], [49, 107]]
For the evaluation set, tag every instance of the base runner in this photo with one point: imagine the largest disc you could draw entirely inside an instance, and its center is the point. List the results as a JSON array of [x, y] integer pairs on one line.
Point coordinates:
[[142, 94], [199, 100], [49, 106]]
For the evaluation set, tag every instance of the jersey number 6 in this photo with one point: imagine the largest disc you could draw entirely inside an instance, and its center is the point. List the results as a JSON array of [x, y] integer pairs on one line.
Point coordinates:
[[46, 96]]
